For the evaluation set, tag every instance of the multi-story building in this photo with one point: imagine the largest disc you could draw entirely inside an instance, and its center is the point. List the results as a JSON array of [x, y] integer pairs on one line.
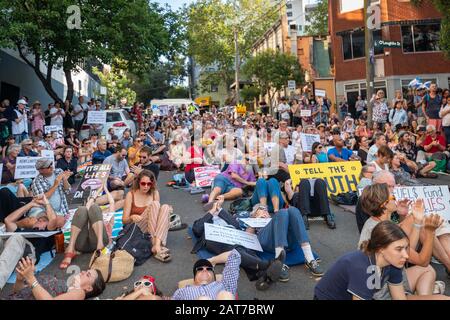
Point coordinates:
[[416, 28], [297, 12], [17, 79]]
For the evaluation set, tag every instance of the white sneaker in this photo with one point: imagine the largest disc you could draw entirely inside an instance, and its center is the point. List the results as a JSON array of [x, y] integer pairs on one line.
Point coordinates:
[[439, 287]]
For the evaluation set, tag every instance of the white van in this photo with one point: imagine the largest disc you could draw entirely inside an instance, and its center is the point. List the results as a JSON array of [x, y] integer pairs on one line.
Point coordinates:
[[163, 107]]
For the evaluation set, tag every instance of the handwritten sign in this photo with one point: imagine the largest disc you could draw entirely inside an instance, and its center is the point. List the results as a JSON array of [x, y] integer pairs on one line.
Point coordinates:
[[320, 93], [94, 177], [204, 176], [96, 117], [256, 222], [308, 140], [436, 198], [305, 113], [26, 168], [232, 236], [56, 128], [340, 177]]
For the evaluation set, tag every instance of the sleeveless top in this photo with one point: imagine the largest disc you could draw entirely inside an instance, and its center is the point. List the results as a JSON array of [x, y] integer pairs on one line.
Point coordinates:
[[135, 209], [53, 285]]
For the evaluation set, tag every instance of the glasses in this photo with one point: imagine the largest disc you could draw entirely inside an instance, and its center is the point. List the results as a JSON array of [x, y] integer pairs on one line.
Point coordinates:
[[146, 284], [391, 198], [204, 268], [146, 184], [319, 147], [138, 140]]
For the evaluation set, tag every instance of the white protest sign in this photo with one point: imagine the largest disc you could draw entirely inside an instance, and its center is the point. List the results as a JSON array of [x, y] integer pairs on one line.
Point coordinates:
[[26, 167], [56, 128], [305, 113], [29, 235], [164, 110], [256, 222], [320, 93], [232, 236], [308, 140], [436, 198], [204, 176], [96, 117], [291, 85]]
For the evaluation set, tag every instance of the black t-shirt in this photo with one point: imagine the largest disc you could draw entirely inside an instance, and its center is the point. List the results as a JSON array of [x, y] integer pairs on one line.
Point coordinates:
[[351, 275], [153, 167]]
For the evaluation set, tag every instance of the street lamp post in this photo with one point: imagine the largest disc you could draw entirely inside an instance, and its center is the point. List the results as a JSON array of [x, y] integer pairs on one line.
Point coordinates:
[[370, 61], [237, 65]]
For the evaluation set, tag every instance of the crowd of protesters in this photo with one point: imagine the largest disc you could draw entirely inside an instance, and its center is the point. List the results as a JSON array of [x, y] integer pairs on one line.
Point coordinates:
[[409, 139]]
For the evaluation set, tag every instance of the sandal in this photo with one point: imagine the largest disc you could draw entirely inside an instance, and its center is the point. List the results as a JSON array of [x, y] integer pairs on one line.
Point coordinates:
[[164, 249], [65, 265], [163, 256]]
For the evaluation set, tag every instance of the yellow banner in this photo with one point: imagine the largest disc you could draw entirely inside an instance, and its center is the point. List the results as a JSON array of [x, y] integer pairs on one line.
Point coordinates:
[[340, 177]]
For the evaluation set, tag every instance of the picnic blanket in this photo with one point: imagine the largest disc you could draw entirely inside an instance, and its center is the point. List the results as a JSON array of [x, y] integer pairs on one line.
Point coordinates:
[[293, 257], [46, 259]]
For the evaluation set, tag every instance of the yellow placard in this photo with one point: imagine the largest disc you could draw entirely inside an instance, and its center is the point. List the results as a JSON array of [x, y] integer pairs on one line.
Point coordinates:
[[241, 109], [340, 177]]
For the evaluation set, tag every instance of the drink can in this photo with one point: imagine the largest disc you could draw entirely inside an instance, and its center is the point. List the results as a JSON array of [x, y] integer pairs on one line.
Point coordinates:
[[59, 242]]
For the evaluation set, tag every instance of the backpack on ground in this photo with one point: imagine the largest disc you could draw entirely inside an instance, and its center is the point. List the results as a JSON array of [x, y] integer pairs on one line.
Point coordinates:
[[348, 198], [240, 205], [135, 242]]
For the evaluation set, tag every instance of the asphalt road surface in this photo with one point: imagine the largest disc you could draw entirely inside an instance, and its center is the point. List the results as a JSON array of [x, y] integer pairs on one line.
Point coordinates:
[[329, 244]]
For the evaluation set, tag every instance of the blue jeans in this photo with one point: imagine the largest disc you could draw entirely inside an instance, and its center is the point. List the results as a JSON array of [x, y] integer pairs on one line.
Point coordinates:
[[223, 183], [447, 134], [20, 137], [267, 189], [286, 229]]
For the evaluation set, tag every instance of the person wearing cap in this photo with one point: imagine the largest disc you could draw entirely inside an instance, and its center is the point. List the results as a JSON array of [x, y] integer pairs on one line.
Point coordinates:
[[27, 149], [20, 122], [55, 185], [205, 283]]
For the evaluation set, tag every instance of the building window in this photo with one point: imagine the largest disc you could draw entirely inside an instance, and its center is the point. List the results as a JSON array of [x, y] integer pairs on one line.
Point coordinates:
[[354, 44], [214, 88], [288, 5], [289, 14], [421, 37]]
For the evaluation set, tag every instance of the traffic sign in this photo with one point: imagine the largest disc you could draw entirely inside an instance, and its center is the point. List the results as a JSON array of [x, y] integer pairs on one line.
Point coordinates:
[[291, 85], [387, 44]]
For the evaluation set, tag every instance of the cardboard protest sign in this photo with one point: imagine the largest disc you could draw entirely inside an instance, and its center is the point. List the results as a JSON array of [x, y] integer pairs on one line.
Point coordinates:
[[57, 128], [26, 167], [308, 140], [436, 198], [340, 177], [204, 176], [232, 236], [305, 113], [94, 177], [96, 117], [83, 166], [256, 222]]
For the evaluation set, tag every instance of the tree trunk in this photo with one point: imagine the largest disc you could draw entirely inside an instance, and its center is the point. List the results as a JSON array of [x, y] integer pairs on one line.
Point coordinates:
[[70, 91], [46, 81]]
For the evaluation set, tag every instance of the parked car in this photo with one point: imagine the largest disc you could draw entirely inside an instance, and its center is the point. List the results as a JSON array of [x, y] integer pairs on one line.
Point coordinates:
[[118, 119]]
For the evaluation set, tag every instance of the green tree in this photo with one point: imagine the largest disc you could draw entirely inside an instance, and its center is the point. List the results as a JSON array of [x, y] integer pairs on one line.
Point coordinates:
[[178, 93], [318, 19], [271, 70], [210, 32], [117, 84], [133, 31], [250, 93]]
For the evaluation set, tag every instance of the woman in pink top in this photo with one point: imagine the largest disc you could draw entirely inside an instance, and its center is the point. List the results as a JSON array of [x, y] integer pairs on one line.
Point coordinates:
[[37, 118]]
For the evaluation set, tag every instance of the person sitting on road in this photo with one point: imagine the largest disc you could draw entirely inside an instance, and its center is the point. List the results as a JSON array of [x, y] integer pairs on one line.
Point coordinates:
[[120, 176], [85, 152], [365, 179], [147, 162], [88, 231], [230, 183], [378, 201], [134, 151], [380, 140], [255, 267], [102, 153], [205, 283], [385, 253], [339, 153], [142, 206], [268, 193], [384, 158], [401, 176], [27, 149], [85, 285], [318, 155], [311, 196]]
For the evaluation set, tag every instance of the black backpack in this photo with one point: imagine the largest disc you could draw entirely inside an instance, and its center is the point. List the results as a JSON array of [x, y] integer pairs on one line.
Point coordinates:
[[135, 242], [348, 198]]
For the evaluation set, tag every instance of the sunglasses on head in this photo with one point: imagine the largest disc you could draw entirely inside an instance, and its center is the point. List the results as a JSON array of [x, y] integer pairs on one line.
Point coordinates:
[[204, 268]]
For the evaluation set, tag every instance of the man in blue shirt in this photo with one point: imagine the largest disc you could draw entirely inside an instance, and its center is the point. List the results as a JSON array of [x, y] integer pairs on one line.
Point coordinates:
[[102, 153], [156, 139], [27, 149], [339, 153]]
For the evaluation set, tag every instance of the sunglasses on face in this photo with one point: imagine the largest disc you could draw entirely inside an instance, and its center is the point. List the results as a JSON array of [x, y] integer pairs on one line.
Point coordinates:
[[146, 184], [204, 268], [391, 198], [319, 147], [145, 283]]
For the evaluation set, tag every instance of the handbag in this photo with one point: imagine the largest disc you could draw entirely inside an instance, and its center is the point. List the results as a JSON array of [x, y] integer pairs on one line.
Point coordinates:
[[115, 266]]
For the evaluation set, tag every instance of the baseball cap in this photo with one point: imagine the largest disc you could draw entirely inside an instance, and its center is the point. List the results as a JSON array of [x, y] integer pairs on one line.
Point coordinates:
[[22, 101], [201, 263], [43, 163]]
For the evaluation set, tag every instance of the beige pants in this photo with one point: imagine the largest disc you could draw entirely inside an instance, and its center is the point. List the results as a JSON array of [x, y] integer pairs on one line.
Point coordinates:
[[155, 221]]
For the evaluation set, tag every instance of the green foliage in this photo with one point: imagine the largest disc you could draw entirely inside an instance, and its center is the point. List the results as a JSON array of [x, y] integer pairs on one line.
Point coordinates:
[[250, 93], [117, 84], [444, 7], [318, 19], [136, 32], [210, 29], [271, 70], [178, 93]]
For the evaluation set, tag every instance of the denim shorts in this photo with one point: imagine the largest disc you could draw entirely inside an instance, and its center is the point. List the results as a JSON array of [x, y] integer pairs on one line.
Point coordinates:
[[223, 183]]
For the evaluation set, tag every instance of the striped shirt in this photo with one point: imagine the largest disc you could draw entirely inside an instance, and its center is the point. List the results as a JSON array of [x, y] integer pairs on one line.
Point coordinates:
[[228, 283]]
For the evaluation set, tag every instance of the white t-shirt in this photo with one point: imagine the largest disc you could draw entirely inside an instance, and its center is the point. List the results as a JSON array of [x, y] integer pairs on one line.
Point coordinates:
[[378, 168], [78, 108], [59, 119], [372, 154], [290, 152], [282, 108]]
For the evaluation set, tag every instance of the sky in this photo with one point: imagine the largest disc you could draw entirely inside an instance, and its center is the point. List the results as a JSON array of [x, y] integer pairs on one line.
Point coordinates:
[[175, 4]]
